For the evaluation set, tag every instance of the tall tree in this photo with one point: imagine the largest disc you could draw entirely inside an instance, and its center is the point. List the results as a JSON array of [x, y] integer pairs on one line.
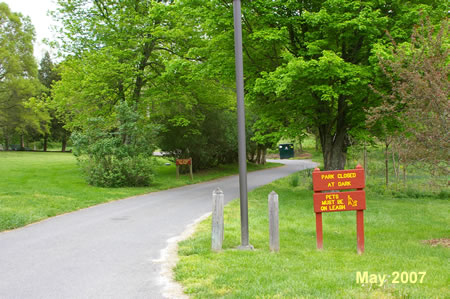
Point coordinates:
[[416, 99], [48, 75], [309, 63], [18, 77], [118, 50]]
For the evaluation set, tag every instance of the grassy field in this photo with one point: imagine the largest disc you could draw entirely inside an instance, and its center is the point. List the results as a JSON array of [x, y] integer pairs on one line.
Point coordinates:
[[398, 221], [35, 186]]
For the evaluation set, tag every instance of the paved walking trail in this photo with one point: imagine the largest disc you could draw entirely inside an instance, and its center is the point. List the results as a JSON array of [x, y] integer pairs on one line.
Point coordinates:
[[109, 251]]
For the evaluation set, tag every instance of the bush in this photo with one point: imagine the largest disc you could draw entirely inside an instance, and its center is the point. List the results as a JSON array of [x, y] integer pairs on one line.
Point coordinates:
[[116, 157]]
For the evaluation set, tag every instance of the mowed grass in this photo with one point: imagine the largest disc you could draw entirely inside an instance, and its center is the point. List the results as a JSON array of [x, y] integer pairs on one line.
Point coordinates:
[[35, 186], [395, 229]]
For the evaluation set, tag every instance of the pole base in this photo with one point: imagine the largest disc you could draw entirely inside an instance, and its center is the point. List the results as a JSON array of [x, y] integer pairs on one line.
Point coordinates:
[[245, 247]]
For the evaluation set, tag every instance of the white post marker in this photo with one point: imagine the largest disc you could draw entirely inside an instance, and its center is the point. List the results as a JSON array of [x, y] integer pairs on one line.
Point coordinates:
[[274, 235], [217, 220]]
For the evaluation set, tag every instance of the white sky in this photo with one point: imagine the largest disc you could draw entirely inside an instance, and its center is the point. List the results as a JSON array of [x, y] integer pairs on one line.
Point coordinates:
[[37, 11]]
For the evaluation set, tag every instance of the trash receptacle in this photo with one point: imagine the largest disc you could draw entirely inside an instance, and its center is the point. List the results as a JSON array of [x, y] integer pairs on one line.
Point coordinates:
[[286, 150]]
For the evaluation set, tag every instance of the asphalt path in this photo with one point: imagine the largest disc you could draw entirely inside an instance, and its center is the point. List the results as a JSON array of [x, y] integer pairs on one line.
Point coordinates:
[[109, 250]]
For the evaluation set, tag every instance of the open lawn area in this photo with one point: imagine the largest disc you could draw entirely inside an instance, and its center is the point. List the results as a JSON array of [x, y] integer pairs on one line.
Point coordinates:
[[35, 186], [395, 231]]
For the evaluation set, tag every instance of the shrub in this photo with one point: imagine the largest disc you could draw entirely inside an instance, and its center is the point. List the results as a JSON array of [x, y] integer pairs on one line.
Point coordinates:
[[117, 154]]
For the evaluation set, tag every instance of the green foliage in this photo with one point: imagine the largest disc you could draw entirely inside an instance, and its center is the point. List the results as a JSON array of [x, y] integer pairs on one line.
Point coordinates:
[[197, 116], [118, 156], [18, 78], [417, 72], [140, 52], [209, 141], [308, 63]]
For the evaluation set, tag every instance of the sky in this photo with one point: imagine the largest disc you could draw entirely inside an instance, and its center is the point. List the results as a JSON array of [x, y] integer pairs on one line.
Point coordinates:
[[37, 11]]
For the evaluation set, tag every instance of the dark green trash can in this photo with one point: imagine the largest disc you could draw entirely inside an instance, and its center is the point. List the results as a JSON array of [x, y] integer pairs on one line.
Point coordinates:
[[286, 150]]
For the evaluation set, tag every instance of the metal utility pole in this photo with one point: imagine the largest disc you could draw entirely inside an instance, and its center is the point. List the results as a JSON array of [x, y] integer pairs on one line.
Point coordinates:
[[241, 124]]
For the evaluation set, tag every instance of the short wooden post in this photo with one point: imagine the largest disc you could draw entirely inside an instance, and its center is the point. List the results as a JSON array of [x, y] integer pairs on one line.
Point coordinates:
[[274, 234], [217, 220], [360, 231], [319, 231]]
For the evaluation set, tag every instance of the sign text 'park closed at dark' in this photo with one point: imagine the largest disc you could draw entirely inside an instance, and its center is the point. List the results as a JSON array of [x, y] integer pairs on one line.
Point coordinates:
[[338, 180]]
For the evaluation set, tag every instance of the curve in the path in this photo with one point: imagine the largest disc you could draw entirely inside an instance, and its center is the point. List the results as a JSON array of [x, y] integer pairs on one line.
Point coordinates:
[[108, 251]]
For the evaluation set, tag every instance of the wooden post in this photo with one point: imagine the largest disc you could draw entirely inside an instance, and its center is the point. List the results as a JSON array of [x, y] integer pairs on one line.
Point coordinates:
[[319, 231], [190, 170], [360, 231], [274, 234], [360, 224], [217, 233]]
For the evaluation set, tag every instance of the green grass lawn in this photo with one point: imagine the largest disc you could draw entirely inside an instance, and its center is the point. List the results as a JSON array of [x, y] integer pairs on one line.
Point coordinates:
[[395, 229], [35, 186]]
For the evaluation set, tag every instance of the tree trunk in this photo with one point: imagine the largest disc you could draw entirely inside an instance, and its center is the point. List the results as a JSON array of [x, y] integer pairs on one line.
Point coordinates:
[[317, 142], [251, 156], [45, 142], [386, 162], [335, 142], [6, 143], [334, 154], [395, 168], [22, 142], [263, 156], [64, 143], [404, 175], [258, 155]]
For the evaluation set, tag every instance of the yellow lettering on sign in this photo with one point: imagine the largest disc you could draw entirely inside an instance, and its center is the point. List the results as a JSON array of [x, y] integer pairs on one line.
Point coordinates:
[[339, 202], [337, 207], [324, 208], [344, 184], [331, 184], [327, 176], [332, 196], [328, 202], [350, 175]]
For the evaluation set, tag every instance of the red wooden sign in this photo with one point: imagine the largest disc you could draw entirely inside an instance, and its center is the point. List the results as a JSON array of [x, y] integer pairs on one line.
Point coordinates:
[[184, 161], [181, 162], [340, 201], [338, 180]]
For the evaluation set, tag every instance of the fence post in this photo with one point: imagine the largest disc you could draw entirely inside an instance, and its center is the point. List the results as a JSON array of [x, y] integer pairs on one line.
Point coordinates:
[[274, 235], [217, 220]]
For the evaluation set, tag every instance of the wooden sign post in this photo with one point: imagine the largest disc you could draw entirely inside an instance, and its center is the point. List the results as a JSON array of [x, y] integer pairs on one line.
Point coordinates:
[[180, 162], [335, 201]]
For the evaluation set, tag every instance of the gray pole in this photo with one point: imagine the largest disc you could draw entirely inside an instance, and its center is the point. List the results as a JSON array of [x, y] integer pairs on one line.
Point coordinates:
[[241, 123]]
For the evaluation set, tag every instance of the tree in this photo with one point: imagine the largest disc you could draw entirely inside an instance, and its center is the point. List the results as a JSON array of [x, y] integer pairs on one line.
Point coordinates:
[[417, 96], [18, 78], [139, 52], [48, 75], [196, 116], [118, 50], [309, 63]]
